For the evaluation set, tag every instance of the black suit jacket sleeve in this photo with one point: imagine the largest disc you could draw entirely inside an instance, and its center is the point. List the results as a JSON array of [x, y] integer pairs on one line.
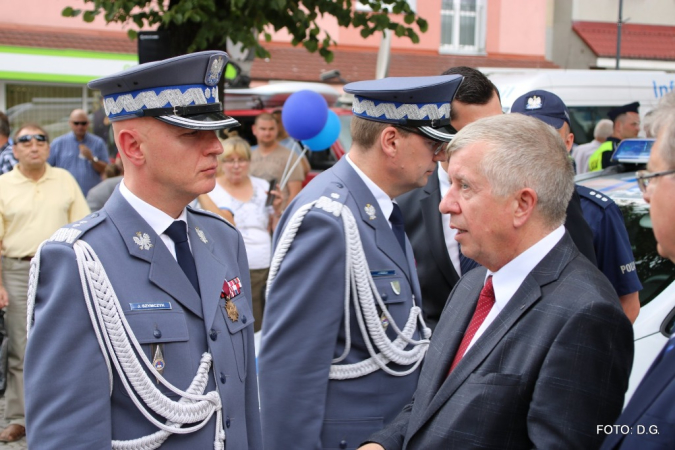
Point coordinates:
[[579, 230], [393, 435]]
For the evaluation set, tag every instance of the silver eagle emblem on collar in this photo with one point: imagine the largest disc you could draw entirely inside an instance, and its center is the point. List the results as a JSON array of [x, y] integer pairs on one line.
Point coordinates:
[[202, 236], [370, 210], [143, 240]]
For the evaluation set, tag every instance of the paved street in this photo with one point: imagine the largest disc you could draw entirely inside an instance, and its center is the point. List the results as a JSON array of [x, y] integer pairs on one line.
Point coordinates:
[[19, 445]]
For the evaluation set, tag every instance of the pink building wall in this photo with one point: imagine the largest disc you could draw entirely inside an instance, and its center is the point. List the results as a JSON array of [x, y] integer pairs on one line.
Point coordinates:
[[516, 27]]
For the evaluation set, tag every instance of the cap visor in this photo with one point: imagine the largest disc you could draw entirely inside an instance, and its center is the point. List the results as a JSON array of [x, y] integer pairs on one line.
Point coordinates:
[[553, 121], [444, 134], [207, 121]]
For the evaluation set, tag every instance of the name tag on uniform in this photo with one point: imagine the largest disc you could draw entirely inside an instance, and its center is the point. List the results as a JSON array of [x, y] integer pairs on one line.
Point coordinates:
[[149, 306], [382, 273]]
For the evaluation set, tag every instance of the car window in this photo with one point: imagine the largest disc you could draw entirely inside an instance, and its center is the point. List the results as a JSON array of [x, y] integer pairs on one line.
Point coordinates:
[[655, 272]]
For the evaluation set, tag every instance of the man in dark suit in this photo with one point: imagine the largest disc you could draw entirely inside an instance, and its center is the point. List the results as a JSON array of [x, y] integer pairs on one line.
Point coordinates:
[[533, 350], [440, 266], [648, 421]]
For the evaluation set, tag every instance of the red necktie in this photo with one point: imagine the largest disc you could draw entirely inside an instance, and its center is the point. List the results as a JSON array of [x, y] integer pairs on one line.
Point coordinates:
[[485, 302]]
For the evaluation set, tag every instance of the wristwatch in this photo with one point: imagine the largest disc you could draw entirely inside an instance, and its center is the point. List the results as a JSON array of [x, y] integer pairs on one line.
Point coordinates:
[[95, 159]]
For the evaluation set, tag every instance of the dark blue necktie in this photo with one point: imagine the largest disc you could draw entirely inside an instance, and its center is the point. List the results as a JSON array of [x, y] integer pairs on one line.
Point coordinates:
[[177, 231], [396, 219], [465, 264]]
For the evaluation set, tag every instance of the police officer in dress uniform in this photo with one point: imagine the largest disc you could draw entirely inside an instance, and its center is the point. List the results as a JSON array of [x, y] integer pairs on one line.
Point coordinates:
[[320, 386], [610, 238], [142, 320]]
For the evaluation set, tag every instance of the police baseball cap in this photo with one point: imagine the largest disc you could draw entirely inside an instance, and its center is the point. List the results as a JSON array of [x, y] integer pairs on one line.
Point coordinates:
[[418, 102], [543, 105], [181, 91], [616, 112]]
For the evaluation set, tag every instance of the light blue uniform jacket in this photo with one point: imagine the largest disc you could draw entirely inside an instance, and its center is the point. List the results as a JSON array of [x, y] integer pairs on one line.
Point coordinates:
[[68, 404], [303, 329]]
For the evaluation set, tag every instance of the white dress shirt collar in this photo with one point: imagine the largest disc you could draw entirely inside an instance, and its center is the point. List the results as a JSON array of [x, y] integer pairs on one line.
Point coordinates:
[[508, 279], [383, 200], [158, 220]]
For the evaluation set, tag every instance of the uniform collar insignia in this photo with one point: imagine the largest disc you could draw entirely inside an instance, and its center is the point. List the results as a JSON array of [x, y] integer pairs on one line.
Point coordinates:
[[143, 240], [202, 236], [370, 210]]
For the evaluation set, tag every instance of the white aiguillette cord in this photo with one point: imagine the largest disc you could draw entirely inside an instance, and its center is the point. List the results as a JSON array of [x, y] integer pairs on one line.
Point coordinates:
[[117, 342], [359, 285]]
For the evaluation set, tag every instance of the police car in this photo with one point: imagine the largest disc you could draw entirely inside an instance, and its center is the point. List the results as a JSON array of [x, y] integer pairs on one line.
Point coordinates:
[[656, 321]]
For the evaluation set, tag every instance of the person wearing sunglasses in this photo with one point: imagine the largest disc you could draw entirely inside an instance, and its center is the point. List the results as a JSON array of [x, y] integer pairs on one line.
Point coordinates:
[[35, 201], [651, 406], [83, 154]]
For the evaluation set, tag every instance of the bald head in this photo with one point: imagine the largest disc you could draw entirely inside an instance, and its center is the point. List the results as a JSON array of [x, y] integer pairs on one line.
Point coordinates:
[[79, 123]]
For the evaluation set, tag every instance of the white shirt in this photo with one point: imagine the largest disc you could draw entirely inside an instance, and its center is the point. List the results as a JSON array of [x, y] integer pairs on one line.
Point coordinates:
[[385, 203], [508, 279], [158, 220], [449, 233]]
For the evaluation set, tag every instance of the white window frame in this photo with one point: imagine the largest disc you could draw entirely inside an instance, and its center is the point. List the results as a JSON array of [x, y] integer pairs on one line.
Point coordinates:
[[479, 37]]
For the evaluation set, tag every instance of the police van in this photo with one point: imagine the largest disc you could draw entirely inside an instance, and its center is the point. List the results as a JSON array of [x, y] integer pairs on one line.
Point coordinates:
[[588, 94]]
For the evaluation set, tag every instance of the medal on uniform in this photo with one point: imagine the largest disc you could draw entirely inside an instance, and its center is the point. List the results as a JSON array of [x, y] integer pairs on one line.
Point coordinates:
[[231, 289], [385, 321], [158, 360]]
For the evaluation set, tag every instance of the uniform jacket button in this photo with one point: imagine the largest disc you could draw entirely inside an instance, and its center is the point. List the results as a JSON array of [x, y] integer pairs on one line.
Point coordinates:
[[384, 296], [227, 422], [213, 334], [343, 444], [243, 319], [222, 378], [157, 333]]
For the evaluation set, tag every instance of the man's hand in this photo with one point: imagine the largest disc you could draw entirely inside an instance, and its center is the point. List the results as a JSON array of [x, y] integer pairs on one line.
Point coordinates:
[[371, 446], [86, 153], [4, 298]]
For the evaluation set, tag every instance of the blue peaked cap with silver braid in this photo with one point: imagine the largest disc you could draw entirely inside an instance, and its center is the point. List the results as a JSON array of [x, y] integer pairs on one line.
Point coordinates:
[[181, 91], [420, 102]]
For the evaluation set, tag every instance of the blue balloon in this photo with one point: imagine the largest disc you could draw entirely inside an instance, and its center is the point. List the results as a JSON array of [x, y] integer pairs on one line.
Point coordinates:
[[327, 136], [304, 114]]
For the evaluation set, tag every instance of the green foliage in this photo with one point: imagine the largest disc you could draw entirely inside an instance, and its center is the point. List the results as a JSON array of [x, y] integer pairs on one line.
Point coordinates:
[[206, 24]]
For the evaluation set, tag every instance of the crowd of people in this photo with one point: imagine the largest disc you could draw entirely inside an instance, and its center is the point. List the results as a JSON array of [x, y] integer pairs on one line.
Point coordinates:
[[444, 285]]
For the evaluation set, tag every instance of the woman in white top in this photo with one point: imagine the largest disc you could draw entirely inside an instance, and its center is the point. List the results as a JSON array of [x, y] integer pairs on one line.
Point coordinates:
[[246, 197]]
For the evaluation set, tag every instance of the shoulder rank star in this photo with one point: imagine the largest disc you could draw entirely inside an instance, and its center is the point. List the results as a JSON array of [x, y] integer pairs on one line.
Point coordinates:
[[143, 240], [202, 236], [370, 210]]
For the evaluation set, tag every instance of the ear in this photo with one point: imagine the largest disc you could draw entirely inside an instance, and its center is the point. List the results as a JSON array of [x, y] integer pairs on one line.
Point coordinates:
[[390, 141], [525, 202], [128, 142], [569, 142]]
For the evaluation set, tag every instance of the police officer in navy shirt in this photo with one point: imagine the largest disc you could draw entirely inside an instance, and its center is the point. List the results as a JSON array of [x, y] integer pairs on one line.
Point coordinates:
[[612, 247]]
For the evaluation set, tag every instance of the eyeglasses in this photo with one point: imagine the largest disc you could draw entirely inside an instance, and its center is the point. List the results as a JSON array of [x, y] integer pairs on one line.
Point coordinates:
[[643, 177], [26, 138], [235, 161], [436, 147], [80, 124]]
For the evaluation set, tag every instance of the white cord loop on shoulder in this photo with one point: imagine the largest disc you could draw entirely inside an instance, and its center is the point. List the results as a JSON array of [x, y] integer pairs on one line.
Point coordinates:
[[117, 342], [361, 289]]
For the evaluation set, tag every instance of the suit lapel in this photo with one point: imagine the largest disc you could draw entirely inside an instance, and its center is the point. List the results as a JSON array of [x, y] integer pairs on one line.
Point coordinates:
[[212, 272], [528, 294], [165, 272], [365, 202], [651, 386], [433, 224]]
